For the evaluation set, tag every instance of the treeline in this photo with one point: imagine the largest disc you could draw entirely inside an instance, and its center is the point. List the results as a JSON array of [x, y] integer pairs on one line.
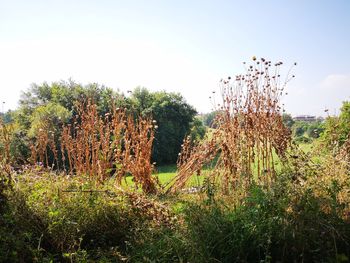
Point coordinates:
[[55, 104], [333, 130]]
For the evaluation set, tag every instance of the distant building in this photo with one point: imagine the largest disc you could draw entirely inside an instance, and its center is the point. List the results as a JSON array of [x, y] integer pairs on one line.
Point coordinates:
[[304, 118]]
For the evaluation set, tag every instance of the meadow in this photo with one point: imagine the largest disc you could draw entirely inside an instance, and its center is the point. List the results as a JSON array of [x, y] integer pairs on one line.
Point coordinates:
[[246, 191]]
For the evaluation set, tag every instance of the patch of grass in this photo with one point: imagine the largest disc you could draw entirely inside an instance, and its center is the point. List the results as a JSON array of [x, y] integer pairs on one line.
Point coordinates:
[[306, 147]]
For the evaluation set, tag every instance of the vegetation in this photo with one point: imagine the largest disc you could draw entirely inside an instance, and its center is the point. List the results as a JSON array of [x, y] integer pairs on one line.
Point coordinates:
[[78, 182], [174, 117], [55, 105]]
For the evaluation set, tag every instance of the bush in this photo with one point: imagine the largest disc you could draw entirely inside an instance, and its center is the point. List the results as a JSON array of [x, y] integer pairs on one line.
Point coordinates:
[[42, 224], [274, 225]]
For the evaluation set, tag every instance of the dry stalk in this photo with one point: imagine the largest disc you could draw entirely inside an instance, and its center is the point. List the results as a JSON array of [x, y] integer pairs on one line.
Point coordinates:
[[44, 145], [113, 144], [138, 141], [90, 144], [249, 133], [5, 142]]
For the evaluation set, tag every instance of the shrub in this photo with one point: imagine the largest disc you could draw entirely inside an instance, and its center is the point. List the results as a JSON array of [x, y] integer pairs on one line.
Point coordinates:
[[269, 226], [42, 224]]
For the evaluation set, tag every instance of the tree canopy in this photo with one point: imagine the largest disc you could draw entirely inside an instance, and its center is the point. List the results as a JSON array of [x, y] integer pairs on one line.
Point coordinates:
[[52, 105], [174, 117], [337, 129]]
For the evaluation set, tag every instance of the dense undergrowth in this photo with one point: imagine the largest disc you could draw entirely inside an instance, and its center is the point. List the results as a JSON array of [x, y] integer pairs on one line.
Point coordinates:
[[260, 198], [54, 218]]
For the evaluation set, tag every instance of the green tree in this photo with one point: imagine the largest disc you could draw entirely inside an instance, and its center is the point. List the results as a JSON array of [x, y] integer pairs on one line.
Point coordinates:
[[337, 129], [299, 128], [344, 121], [7, 117], [197, 129], [53, 104], [288, 120], [314, 130], [174, 117], [208, 119], [49, 116]]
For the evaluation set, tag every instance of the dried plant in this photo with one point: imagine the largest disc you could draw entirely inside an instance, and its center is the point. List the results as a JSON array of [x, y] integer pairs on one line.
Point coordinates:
[[191, 160], [149, 209], [6, 180], [249, 133], [116, 143], [89, 143], [5, 142], [138, 141], [43, 145], [344, 153]]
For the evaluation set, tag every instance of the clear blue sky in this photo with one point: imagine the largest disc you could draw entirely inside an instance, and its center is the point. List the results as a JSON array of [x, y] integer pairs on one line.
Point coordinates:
[[183, 46]]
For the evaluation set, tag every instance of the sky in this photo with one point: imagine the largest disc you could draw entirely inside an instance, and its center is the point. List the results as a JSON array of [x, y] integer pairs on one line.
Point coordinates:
[[178, 46]]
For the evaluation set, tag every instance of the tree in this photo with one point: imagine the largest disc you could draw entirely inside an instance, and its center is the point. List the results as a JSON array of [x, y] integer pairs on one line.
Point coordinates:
[[198, 130], [344, 121], [50, 117], [337, 129], [288, 120], [314, 130], [7, 117], [52, 105], [299, 128], [174, 117]]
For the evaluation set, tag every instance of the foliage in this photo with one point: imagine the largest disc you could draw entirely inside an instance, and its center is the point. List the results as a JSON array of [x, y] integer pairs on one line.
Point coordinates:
[[40, 224], [47, 107], [315, 130], [7, 117], [198, 130], [263, 199], [54, 104], [302, 217], [337, 129], [6, 133], [300, 128], [344, 121], [307, 131], [65, 93], [174, 117], [288, 120], [48, 117], [208, 118], [270, 226], [302, 139]]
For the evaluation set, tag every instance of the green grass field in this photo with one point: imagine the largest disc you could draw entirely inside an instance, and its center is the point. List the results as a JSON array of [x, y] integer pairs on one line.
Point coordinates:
[[166, 173]]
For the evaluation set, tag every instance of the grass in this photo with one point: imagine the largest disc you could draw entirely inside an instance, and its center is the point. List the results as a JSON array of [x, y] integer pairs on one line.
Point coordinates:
[[288, 222], [297, 212], [166, 174], [306, 147], [285, 224]]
